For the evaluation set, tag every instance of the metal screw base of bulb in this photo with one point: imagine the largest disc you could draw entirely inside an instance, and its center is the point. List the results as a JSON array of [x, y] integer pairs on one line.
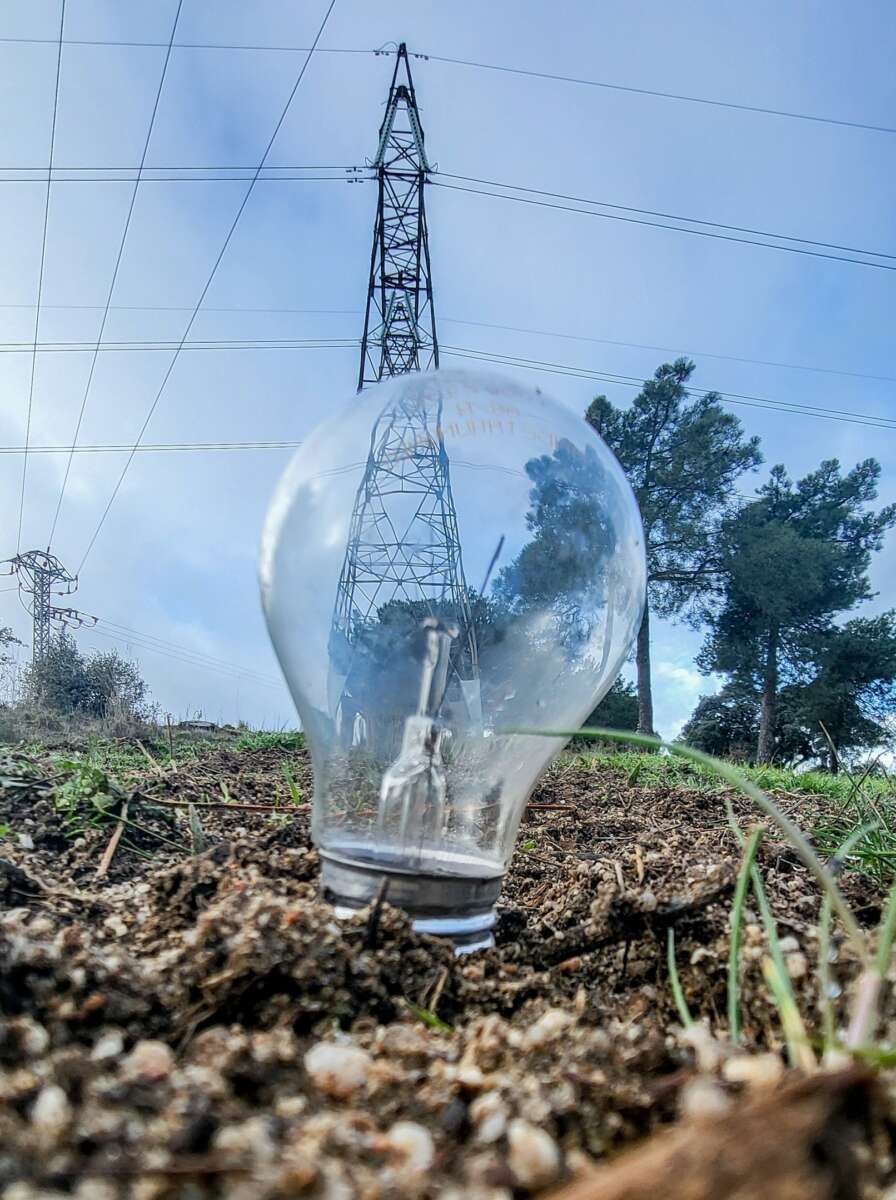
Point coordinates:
[[459, 907]]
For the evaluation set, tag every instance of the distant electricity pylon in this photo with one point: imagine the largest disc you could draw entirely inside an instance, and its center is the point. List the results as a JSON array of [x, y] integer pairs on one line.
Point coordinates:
[[41, 575], [403, 543]]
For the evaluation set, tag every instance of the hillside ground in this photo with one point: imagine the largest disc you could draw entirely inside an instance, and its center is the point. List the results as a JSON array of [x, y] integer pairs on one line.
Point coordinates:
[[183, 1017]]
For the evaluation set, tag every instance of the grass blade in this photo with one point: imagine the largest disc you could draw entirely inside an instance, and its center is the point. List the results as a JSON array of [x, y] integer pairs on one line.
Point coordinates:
[[737, 913], [799, 1050], [294, 793], [825, 982], [681, 1004], [197, 834]]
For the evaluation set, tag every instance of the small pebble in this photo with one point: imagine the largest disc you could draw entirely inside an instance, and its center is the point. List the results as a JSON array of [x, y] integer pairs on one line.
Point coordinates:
[[35, 1039], [25, 840], [708, 1050], [797, 966], [412, 1145], [648, 902], [110, 1045], [251, 1138], [52, 1112], [702, 1098], [532, 1155], [339, 1071], [149, 1061], [115, 925], [549, 1026], [788, 944], [488, 1115], [755, 1070]]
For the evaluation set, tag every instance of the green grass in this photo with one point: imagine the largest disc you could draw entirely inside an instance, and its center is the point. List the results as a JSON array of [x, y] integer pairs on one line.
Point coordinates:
[[273, 740]]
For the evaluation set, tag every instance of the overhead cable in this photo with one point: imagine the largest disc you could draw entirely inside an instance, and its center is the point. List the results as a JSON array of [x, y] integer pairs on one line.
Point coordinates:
[[207, 285], [114, 280], [631, 220], [40, 278], [763, 110]]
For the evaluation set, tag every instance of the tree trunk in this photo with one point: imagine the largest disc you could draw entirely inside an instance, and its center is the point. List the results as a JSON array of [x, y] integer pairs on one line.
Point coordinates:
[[767, 719], [642, 660]]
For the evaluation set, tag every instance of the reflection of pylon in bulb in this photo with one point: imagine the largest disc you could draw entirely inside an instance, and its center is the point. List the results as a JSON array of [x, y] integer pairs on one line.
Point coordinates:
[[414, 788], [416, 651]]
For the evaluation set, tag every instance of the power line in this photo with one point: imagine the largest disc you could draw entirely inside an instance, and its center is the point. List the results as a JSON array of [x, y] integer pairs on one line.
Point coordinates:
[[178, 647], [199, 344], [208, 283], [632, 381], [99, 168], [638, 91], [121, 245], [794, 408], [155, 448], [669, 216], [231, 673], [248, 344], [760, 362], [36, 41], [354, 312], [239, 308], [762, 110], [722, 237], [188, 179], [40, 278]]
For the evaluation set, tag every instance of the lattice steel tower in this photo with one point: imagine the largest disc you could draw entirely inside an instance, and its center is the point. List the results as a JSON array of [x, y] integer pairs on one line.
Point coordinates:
[[40, 576], [399, 323], [403, 541]]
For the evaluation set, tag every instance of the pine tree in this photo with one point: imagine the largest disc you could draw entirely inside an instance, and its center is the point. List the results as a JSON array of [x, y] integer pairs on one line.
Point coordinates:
[[789, 563], [682, 456]]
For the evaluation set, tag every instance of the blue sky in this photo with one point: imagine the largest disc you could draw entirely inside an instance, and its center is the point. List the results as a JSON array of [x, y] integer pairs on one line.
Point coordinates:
[[176, 558]]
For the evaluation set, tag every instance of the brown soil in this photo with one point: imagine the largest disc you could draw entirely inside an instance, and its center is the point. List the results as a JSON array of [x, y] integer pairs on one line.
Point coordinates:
[[155, 1023]]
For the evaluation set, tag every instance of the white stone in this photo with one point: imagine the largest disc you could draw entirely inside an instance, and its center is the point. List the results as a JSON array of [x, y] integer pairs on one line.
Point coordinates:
[[110, 1045], [35, 1039], [488, 1114], [150, 1061], [797, 966], [532, 1155], [549, 1026], [755, 1070], [413, 1146], [702, 1098], [51, 1112], [339, 1071], [788, 944]]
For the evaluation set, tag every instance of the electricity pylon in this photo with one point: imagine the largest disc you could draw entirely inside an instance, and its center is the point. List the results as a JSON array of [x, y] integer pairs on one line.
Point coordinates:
[[399, 322], [41, 575], [403, 543]]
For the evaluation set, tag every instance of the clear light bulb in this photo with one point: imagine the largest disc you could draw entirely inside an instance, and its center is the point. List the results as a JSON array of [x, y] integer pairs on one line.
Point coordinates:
[[451, 558]]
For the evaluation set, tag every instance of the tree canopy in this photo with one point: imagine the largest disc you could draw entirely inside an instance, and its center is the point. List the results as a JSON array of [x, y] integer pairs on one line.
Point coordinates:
[[791, 562], [682, 456], [97, 685]]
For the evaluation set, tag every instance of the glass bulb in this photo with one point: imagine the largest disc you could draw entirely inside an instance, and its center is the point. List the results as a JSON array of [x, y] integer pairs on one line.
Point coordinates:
[[451, 558]]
